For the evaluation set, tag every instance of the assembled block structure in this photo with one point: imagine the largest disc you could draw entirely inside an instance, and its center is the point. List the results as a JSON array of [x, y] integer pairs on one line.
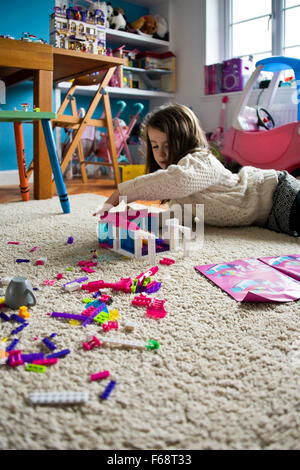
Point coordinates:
[[78, 30], [134, 233]]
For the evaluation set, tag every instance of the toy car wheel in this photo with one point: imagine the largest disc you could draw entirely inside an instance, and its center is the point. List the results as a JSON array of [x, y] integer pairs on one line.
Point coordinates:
[[264, 119]]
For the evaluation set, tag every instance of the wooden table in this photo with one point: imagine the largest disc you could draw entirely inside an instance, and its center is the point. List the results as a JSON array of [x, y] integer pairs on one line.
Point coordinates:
[[45, 65]]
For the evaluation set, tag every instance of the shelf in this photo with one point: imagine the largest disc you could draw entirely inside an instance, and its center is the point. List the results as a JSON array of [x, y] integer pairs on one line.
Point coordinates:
[[136, 40], [115, 92], [148, 71]]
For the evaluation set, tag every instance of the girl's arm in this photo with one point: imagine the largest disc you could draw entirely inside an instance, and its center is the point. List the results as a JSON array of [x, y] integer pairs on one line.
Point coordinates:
[[190, 175]]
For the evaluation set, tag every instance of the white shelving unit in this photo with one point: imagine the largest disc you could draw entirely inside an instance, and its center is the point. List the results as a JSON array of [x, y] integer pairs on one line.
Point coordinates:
[[118, 38]]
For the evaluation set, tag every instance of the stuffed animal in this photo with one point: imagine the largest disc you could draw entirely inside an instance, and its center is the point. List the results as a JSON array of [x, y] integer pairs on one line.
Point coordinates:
[[117, 20], [162, 28], [109, 13], [147, 24]]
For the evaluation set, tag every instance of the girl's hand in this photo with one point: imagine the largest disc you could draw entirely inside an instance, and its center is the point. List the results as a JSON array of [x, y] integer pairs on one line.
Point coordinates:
[[112, 201]]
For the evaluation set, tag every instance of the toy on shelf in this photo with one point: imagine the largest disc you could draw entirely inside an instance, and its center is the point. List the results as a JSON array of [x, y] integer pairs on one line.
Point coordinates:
[[80, 30], [145, 25], [134, 232], [254, 138]]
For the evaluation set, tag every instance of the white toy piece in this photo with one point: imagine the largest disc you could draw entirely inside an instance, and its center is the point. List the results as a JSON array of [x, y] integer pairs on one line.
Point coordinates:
[[129, 326], [53, 398], [123, 343], [117, 20]]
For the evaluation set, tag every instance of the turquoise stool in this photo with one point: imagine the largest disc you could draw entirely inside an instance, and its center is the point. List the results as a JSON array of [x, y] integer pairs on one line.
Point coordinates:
[[18, 117]]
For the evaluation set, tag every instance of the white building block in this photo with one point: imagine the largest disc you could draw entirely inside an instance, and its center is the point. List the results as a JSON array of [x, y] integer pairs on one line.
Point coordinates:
[[49, 398]]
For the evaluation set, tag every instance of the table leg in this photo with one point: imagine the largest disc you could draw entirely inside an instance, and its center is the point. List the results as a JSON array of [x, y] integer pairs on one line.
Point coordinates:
[[21, 160], [42, 95], [59, 181]]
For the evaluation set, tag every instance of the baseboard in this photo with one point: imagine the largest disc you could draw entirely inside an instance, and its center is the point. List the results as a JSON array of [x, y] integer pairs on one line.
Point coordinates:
[[11, 177]]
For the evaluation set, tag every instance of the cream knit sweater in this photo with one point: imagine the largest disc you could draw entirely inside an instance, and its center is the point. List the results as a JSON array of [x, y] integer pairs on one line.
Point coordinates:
[[229, 199]]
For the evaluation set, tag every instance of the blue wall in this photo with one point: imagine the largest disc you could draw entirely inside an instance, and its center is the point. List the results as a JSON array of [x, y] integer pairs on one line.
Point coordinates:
[[33, 16]]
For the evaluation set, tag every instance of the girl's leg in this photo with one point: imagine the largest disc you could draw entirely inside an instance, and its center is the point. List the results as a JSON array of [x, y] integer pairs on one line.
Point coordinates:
[[295, 215]]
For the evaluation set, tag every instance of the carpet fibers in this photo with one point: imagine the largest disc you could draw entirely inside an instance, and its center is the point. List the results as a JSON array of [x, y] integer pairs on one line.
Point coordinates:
[[226, 374]]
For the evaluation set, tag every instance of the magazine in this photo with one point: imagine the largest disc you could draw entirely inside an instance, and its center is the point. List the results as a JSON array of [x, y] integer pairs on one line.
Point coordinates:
[[266, 279]]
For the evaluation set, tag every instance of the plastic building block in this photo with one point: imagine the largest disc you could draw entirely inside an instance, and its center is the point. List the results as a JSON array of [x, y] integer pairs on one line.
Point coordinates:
[[87, 300], [48, 282], [15, 358], [12, 345], [4, 316], [13, 243], [59, 276], [91, 344], [35, 368], [110, 325], [53, 398], [100, 375], [129, 326], [23, 312], [33, 249], [32, 357], [141, 277], [2, 300], [17, 318], [167, 261], [123, 343], [20, 328], [151, 344], [3, 356], [87, 264], [141, 300], [154, 286], [68, 316], [20, 260], [106, 298], [49, 344], [134, 286], [101, 317], [70, 240], [46, 362], [104, 395], [113, 315], [156, 309], [62, 353], [74, 285], [88, 270]]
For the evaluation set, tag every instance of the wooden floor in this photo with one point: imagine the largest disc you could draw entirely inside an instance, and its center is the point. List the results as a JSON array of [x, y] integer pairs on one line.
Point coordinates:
[[103, 188], [12, 193]]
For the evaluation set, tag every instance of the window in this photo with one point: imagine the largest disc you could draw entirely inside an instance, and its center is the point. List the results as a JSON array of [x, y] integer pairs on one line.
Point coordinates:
[[261, 28]]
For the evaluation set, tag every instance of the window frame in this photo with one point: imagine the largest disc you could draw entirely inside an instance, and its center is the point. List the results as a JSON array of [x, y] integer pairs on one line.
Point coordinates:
[[277, 25]]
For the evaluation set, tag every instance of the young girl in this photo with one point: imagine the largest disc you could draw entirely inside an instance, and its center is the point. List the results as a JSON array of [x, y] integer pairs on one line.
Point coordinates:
[[182, 170]]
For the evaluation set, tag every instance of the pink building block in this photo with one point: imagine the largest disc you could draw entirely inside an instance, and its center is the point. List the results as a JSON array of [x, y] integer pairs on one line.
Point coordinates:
[[141, 300], [156, 309], [91, 344]]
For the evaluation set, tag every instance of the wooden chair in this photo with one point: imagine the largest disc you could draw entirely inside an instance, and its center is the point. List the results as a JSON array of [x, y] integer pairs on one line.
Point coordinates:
[[79, 123]]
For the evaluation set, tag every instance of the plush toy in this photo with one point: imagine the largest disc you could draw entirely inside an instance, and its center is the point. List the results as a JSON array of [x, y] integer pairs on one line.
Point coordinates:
[[162, 28], [117, 20], [147, 24], [109, 13]]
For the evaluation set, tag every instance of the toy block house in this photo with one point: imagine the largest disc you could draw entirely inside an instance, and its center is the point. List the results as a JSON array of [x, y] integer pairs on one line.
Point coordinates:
[[78, 30], [131, 231]]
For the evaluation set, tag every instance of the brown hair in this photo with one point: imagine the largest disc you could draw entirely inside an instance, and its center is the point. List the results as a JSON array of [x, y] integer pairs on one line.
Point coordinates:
[[183, 131]]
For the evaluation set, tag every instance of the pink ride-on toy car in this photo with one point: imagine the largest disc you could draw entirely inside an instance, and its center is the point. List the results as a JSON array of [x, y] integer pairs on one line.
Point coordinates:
[[254, 138]]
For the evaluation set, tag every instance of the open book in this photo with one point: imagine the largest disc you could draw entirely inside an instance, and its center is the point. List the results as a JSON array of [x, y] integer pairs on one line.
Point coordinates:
[[267, 279]]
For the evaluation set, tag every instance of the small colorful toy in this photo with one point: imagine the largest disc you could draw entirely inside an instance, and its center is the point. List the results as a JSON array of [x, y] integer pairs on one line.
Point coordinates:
[[104, 395], [53, 398]]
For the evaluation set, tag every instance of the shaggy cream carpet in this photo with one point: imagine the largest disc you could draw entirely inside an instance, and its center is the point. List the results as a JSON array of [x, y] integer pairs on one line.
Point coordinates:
[[226, 375]]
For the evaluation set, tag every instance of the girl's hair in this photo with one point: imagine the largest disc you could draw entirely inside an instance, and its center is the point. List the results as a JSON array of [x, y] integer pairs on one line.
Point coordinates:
[[183, 131]]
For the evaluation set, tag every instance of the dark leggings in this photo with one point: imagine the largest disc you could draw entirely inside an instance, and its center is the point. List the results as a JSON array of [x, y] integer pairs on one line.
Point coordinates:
[[295, 215]]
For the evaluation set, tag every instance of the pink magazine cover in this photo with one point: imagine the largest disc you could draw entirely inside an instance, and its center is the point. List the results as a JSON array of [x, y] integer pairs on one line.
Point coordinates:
[[287, 264], [251, 280]]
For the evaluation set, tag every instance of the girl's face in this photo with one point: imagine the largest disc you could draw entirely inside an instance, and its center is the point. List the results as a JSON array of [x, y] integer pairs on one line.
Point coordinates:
[[159, 144]]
